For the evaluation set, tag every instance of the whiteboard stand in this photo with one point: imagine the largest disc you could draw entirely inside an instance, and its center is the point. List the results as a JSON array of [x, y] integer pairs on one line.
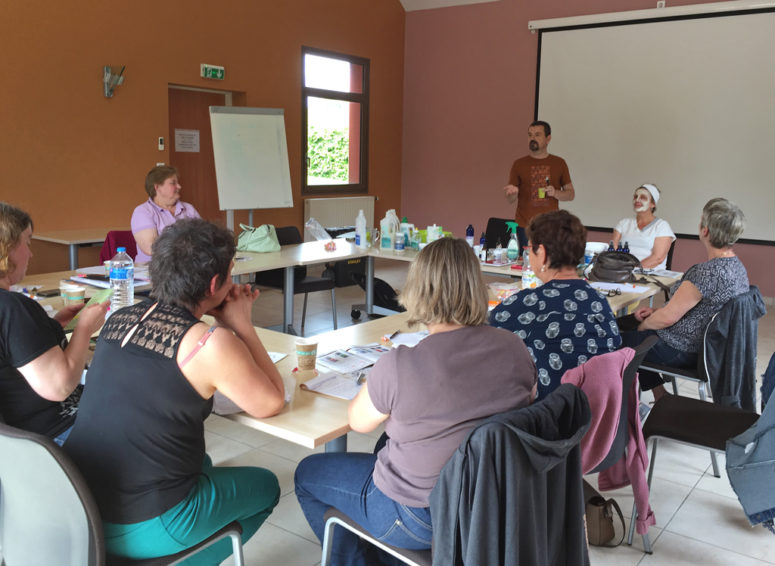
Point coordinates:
[[251, 159]]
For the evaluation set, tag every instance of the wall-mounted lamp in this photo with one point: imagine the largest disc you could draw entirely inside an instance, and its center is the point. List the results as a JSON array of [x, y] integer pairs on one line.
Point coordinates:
[[111, 81]]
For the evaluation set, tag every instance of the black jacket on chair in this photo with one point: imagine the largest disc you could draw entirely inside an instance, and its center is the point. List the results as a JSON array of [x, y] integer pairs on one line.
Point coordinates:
[[512, 493], [730, 350]]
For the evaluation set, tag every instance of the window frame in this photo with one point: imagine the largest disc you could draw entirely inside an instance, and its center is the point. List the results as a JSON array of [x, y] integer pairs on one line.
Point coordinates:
[[361, 98]]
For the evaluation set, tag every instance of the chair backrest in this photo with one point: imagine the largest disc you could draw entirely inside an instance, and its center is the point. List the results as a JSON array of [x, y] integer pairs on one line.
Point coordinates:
[[47, 513], [497, 231], [116, 239], [669, 260], [622, 434]]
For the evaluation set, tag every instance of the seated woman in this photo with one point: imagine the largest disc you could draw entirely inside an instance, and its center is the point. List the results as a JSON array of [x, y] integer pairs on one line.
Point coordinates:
[[648, 237], [162, 208], [139, 436], [703, 290], [39, 369], [429, 398], [565, 321]]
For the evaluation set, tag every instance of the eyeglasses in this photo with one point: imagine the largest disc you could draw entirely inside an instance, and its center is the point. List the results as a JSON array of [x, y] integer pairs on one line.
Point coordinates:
[[614, 292]]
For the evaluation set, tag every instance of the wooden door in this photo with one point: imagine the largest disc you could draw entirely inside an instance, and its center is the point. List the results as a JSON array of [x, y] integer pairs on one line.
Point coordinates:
[[189, 110]]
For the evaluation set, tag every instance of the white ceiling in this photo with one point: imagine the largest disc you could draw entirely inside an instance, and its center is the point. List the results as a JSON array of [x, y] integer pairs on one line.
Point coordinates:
[[411, 5]]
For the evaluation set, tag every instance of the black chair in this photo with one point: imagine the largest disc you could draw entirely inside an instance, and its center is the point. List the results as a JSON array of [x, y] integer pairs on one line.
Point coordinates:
[[669, 265], [385, 297], [497, 231], [669, 260], [48, 514], [694, 423], [301, 282]]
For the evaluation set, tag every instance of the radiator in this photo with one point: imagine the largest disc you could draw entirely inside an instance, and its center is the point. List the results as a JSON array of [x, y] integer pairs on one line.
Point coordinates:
[[339, 211]]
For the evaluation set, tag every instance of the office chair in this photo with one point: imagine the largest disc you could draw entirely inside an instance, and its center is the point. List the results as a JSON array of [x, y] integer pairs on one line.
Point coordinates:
[[301, 282], [48, 514], [694, 423], [497, 231], [116, 239]]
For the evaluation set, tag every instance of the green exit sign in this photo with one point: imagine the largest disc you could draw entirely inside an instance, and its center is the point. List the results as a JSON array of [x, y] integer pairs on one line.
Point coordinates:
[[212, 72]]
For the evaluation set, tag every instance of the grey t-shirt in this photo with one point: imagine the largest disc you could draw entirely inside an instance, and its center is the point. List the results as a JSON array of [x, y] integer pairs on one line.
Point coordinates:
[[435, 394], [718, 280]]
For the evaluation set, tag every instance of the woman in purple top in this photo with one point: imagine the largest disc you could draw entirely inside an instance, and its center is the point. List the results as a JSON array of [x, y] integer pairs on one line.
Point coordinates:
[[163, 208], [429, 397]]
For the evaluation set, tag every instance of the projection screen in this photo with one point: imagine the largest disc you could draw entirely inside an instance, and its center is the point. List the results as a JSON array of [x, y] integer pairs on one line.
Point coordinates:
[[687, 104]]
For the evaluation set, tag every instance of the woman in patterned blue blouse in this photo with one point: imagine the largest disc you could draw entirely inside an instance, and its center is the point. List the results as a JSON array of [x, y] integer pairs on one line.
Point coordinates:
[[565, 321]]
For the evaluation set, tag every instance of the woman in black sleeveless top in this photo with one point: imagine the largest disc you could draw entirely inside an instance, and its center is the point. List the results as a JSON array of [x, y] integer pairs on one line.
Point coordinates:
[[139, 436]]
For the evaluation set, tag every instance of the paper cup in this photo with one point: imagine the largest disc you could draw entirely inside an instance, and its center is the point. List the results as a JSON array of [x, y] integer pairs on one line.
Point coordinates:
[[306, 355], [72, 294]]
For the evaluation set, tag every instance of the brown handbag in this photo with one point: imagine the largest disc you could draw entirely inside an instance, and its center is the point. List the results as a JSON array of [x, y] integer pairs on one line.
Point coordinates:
[[600, 521]]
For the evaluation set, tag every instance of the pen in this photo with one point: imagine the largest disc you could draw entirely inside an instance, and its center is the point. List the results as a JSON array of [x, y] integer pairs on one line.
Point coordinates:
[[396, 333]]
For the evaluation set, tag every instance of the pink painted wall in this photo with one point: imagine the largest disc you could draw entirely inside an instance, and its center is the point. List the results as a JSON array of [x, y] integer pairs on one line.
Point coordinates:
[[469, 92]]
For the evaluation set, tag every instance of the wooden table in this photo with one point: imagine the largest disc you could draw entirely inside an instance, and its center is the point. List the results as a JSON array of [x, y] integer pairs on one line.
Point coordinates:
[[312, 419], [73, 239]]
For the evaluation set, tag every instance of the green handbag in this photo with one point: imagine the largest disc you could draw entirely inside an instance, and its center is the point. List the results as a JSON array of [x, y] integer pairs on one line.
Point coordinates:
[[261, 239]]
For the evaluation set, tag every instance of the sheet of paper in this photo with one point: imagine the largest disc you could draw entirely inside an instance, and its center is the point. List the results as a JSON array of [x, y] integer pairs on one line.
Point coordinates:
[[371, 352], [667, 273], [333, 384], [98, 297], [276, 356], [623, 287], [343, 361], [407, 338]]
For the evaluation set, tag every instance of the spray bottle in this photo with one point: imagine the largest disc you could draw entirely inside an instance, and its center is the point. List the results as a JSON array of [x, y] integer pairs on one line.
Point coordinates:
[[512, 252]]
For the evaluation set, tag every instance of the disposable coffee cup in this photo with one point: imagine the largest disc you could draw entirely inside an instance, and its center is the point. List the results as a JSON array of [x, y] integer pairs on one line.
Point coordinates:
[[72, 294], [306, 355]]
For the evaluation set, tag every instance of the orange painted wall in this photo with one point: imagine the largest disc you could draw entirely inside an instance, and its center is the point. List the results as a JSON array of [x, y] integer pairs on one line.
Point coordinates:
[[469, 92], [74, 159]]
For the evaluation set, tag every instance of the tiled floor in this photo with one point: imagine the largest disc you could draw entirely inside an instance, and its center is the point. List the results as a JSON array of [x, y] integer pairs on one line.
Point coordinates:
[[699, 519]]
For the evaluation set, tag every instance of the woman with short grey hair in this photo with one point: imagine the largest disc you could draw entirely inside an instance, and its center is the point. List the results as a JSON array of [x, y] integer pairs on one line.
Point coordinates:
[[701, 293]]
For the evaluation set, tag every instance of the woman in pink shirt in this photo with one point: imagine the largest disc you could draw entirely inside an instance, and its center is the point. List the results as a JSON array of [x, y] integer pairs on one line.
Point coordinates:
[[163, 208]]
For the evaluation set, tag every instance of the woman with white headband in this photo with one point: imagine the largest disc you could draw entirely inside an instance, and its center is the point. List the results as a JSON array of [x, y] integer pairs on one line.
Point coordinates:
[[647, 236]]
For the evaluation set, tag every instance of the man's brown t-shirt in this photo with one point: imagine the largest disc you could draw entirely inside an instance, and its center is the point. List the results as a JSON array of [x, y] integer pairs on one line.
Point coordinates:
[[529, 174]]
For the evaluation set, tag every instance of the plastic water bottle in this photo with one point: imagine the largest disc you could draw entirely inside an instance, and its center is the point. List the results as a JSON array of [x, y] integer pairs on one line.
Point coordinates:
[[470, 235], [529, 279], [122, 280], [360, 230]]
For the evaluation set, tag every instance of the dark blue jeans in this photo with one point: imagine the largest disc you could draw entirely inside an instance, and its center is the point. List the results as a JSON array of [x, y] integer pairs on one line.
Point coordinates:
[[661, 353], [344, 481]]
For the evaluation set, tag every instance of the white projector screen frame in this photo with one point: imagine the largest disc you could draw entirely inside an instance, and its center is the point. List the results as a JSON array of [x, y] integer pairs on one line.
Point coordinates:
[[687, 103], [251, 158]]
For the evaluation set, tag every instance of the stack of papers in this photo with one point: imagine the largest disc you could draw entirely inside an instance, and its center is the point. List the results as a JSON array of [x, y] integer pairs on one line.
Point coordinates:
[[96, 276], [345, 370]]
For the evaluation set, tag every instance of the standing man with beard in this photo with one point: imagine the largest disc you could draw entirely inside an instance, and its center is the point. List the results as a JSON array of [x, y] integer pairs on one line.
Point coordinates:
[[538, 180]]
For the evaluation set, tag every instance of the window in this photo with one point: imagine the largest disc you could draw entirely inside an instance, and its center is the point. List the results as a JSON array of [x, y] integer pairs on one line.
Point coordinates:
[[334, 121]]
